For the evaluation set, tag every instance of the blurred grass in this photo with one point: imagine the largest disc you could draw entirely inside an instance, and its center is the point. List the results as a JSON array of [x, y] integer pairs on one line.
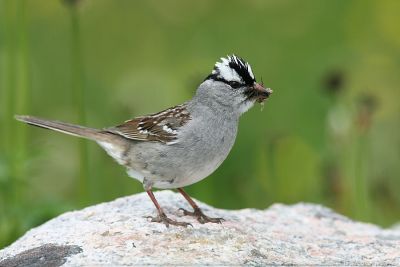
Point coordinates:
[[78, 86], [330, 133]]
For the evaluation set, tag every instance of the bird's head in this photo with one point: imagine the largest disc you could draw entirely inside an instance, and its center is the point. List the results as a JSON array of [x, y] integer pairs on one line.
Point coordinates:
[[233, 83]]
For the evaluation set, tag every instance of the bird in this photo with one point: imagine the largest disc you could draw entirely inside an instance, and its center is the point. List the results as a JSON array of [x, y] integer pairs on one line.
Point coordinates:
[[181, 145]]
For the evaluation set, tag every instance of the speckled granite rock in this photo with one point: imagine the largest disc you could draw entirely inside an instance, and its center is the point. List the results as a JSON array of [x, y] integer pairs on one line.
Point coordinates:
[[117, 234]]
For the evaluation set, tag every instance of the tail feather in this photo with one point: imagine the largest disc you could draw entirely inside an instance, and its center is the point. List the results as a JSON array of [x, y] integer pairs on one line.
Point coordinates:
[[67, 128]]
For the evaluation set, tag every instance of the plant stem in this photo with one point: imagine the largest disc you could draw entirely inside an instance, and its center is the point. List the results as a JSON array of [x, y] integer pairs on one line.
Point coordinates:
[[15, 100], [360, 180], [10, 95], [79, 90], [22, 93]]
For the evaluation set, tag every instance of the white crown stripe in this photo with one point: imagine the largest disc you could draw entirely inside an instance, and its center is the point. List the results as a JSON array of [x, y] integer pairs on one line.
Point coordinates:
[[226, 72]]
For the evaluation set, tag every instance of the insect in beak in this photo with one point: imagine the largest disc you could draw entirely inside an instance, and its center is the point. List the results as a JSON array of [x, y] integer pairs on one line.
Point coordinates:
[[261, 92]]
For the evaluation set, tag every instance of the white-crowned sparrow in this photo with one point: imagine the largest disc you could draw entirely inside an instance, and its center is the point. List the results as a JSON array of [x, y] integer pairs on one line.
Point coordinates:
[[183, 144]]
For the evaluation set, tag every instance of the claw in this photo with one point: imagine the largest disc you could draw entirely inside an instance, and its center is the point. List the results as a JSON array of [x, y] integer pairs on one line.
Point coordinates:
[[201, 217], [162, 218]]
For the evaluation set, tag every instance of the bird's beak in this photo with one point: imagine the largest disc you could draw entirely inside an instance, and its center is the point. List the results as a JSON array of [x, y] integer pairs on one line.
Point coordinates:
[[262, 93]]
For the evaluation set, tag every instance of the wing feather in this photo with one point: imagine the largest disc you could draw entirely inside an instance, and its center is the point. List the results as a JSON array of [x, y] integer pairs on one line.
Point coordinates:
[[161, 127]]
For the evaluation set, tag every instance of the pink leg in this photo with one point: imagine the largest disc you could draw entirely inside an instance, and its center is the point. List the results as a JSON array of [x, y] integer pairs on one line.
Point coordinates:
[[201, 217]]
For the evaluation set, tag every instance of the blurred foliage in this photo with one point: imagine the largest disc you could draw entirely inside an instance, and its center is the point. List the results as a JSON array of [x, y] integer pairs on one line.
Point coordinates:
[[330, 133]]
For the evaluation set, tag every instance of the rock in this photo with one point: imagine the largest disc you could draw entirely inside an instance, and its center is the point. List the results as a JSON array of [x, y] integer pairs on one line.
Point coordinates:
[[117, 234]]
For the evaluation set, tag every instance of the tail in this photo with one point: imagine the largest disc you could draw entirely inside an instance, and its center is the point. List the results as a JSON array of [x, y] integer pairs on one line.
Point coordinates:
[[67, 128]]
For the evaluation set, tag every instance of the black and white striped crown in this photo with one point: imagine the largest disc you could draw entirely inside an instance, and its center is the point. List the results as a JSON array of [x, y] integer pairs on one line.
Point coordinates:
[[233, 69]]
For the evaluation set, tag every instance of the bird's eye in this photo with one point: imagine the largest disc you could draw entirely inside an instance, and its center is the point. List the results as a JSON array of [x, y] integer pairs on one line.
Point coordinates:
[[234, 84]]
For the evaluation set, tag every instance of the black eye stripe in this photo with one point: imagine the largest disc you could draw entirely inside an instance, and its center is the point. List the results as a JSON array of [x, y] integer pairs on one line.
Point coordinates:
[[235, 84]]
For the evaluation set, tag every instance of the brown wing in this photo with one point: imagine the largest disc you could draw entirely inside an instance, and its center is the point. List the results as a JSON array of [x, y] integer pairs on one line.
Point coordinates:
[[162, 127]]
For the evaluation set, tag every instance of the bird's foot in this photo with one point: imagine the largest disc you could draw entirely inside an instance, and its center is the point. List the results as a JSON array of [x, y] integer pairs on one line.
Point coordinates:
[[162, 218], [201, 217]]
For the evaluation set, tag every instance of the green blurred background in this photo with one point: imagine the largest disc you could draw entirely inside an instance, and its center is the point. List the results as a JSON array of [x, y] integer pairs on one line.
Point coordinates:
[[330, 133]]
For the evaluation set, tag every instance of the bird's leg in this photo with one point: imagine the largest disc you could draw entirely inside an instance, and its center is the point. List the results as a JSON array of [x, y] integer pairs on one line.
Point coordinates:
[[162, 218], [201, 217]]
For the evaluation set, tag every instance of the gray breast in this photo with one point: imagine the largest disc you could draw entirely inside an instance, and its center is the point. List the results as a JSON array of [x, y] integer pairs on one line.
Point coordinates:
[[203, 145]]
